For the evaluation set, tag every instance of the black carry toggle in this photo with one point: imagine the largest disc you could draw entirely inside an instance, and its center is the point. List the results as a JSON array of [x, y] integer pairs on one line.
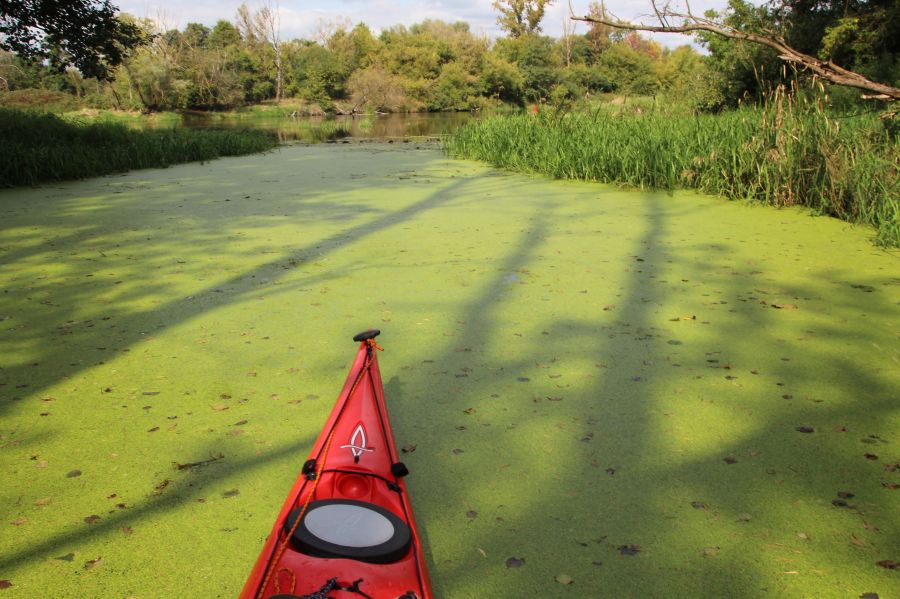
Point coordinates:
[[370, 334], [309, 469], [399, 469]]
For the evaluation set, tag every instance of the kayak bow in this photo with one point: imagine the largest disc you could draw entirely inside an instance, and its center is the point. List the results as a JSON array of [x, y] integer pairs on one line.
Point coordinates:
[[346, 529]]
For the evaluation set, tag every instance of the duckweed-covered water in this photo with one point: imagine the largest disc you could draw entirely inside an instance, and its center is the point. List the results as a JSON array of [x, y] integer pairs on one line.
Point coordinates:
[[600, 392]]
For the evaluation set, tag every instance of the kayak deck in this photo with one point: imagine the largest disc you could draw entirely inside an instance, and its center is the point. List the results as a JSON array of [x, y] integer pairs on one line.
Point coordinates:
[[356, 536]]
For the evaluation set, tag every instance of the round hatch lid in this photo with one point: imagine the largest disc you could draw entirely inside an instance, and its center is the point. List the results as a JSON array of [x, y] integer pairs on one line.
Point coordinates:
[[350, 529]]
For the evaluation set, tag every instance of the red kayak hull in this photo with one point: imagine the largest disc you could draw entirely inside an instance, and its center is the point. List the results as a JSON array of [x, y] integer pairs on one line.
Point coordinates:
[[354, 453]]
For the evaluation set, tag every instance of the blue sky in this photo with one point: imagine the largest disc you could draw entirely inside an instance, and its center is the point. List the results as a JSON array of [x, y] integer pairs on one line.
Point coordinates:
[[302, 18]]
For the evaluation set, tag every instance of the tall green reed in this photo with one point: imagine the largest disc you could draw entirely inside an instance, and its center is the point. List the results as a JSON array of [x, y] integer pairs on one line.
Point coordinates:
[[781, 154], [44, 147]]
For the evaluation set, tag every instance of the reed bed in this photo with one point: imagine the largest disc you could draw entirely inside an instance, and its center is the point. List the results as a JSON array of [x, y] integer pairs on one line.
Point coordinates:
[[44, 147], [847, 167]]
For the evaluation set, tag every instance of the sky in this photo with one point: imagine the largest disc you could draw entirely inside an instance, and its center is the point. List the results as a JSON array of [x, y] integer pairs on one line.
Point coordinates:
[[303, 18]]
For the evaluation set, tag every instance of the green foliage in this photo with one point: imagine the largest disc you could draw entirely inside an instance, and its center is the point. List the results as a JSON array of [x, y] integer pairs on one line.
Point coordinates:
[[781, 154], [630, 71], [521, 17], [43, 147], [39, 100], [84, 34], [316, 75]]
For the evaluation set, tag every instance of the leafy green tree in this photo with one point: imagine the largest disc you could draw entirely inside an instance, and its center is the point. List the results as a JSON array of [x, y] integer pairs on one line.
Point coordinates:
[[224, 35], [521, 17], [316, 75], [500, 79], [85, 34], [377, 88], [455, 89], [628, 70], [537, 61]]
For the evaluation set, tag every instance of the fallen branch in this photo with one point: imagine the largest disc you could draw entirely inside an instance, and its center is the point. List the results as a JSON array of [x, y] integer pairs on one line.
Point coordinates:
[[825, 69], [214, 458]]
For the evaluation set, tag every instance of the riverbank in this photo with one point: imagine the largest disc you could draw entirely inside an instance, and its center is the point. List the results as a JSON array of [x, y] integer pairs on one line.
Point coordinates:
[[646, 394], [839, 165], [43, 147]]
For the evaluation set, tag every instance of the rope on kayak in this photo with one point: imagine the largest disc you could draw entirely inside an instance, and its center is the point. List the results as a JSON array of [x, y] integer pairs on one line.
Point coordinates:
[[332, 585], [287, 539]]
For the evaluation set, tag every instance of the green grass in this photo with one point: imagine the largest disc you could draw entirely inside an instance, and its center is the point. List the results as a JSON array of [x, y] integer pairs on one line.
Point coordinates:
[[44, 147], [844, 167]]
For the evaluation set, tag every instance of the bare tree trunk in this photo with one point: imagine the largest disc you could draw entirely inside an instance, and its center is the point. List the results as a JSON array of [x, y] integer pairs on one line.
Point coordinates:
[[827, 70], [269, 24], [568, 32]]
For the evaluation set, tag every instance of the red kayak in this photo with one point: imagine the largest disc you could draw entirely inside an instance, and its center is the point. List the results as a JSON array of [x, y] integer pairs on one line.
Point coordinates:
[[346, 530]]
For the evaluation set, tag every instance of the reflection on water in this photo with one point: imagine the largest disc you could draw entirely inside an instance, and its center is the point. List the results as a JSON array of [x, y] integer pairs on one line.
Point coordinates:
[[320, 129]]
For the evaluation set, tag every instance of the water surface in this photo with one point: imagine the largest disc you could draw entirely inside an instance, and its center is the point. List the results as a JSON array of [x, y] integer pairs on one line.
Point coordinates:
[[647, 394]]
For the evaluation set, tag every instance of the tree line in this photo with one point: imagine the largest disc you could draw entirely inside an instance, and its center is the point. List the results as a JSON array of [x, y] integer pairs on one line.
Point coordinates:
[[440, 66]]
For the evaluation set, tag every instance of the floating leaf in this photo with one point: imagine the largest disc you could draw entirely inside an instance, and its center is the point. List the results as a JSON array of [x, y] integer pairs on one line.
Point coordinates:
[[408, 448], [805, 429], [784, 306], [554, 398], [730, 460], [710, 551], [471, 514], [91, 564], [5, 584], [846, 495], [91, 519], [803, 536], [73, 473], [871, 456], [457, 451], [515, 562], [127, 531], [857, 541], [19, 521], [869, 596], [889, 564], [42, 502], [629, 549], [66, 558], [231, 493], [699, 505], [563, 579], [744, 517]]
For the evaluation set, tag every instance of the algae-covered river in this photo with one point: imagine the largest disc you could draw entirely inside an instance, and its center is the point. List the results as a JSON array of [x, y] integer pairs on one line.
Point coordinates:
[[632, 394]]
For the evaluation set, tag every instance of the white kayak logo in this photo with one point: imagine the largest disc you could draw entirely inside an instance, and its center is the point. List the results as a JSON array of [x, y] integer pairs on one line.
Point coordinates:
[[357, 443]]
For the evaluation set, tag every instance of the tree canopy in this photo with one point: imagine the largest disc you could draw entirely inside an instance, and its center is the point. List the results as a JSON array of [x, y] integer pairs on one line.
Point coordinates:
[[85, 34]]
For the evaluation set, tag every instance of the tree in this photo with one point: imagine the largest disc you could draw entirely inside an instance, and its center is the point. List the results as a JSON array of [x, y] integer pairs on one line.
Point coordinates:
[[263, 28], [85, 34], [757, 33], [521, 17], [378, 88]]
